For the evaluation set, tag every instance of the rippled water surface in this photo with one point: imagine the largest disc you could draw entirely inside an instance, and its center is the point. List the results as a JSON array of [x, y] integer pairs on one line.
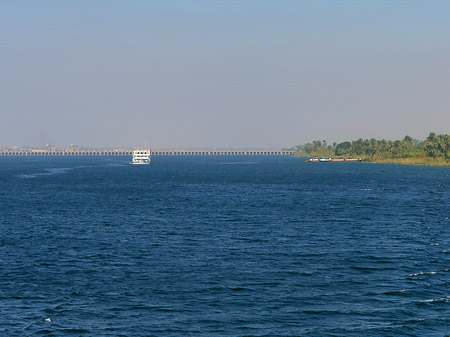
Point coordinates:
[[222, 246]]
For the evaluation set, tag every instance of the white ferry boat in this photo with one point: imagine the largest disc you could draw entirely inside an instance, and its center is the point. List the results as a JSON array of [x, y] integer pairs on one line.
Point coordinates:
[[141, 156]]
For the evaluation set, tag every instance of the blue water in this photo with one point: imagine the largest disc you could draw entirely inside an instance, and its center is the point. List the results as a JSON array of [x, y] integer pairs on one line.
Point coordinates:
[[222, 246]]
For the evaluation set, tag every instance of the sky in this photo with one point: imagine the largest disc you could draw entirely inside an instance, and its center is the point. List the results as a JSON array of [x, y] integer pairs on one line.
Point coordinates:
[[222, 73]]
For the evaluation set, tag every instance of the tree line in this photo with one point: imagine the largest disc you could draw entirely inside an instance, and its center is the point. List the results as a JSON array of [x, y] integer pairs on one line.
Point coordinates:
[[434, 146]]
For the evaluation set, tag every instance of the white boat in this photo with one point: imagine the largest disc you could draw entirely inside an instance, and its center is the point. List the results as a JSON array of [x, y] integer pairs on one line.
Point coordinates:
[[141, 156]]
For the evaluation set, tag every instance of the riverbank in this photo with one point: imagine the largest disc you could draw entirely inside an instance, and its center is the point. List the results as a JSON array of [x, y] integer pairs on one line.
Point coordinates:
[[413, 161], [439, 162]]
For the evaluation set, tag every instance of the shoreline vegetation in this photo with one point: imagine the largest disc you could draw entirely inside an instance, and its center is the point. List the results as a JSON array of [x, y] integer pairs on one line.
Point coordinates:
[[433, 151]]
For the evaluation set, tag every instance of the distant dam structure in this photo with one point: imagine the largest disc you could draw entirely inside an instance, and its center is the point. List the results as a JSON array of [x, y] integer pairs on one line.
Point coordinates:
[[121, 152], [222, 153]]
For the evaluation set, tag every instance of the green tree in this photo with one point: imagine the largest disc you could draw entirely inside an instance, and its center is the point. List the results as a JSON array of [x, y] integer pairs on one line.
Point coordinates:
[[342, 149], [408, 139], [431, 147]]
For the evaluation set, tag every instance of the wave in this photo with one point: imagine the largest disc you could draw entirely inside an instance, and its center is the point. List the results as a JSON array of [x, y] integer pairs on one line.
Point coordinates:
[[429, 272], [48, 172], [51, 171], [401, 292], [237, 163], [116, 164]]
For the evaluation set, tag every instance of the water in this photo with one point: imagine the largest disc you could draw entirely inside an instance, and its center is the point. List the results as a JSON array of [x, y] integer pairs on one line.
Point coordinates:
[[222, 246]]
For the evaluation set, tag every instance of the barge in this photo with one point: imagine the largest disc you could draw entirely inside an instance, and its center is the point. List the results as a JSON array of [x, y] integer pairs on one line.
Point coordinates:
[[334, 160]]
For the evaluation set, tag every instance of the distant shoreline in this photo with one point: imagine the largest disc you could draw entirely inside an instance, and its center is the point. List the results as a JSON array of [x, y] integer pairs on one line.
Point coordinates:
[[433, 151]]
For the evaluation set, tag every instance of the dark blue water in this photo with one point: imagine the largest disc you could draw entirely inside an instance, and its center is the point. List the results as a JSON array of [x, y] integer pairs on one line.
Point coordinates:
[[223, 246]]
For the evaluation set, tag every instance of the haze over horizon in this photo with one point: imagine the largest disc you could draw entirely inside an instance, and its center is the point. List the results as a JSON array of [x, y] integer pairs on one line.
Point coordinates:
[[222, 74]]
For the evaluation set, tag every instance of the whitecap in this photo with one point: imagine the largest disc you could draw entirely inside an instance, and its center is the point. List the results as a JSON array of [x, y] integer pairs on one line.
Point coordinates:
[[424, 273], [440, 299]]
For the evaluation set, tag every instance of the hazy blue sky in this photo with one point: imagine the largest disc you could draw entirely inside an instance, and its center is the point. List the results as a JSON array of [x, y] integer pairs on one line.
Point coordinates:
[[235, 73]]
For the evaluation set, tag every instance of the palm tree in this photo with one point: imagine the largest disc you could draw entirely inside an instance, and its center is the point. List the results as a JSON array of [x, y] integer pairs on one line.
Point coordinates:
[[443, 144]]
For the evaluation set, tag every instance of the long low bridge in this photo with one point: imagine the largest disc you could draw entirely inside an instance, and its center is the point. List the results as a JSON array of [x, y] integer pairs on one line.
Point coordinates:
[[154, 153]]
